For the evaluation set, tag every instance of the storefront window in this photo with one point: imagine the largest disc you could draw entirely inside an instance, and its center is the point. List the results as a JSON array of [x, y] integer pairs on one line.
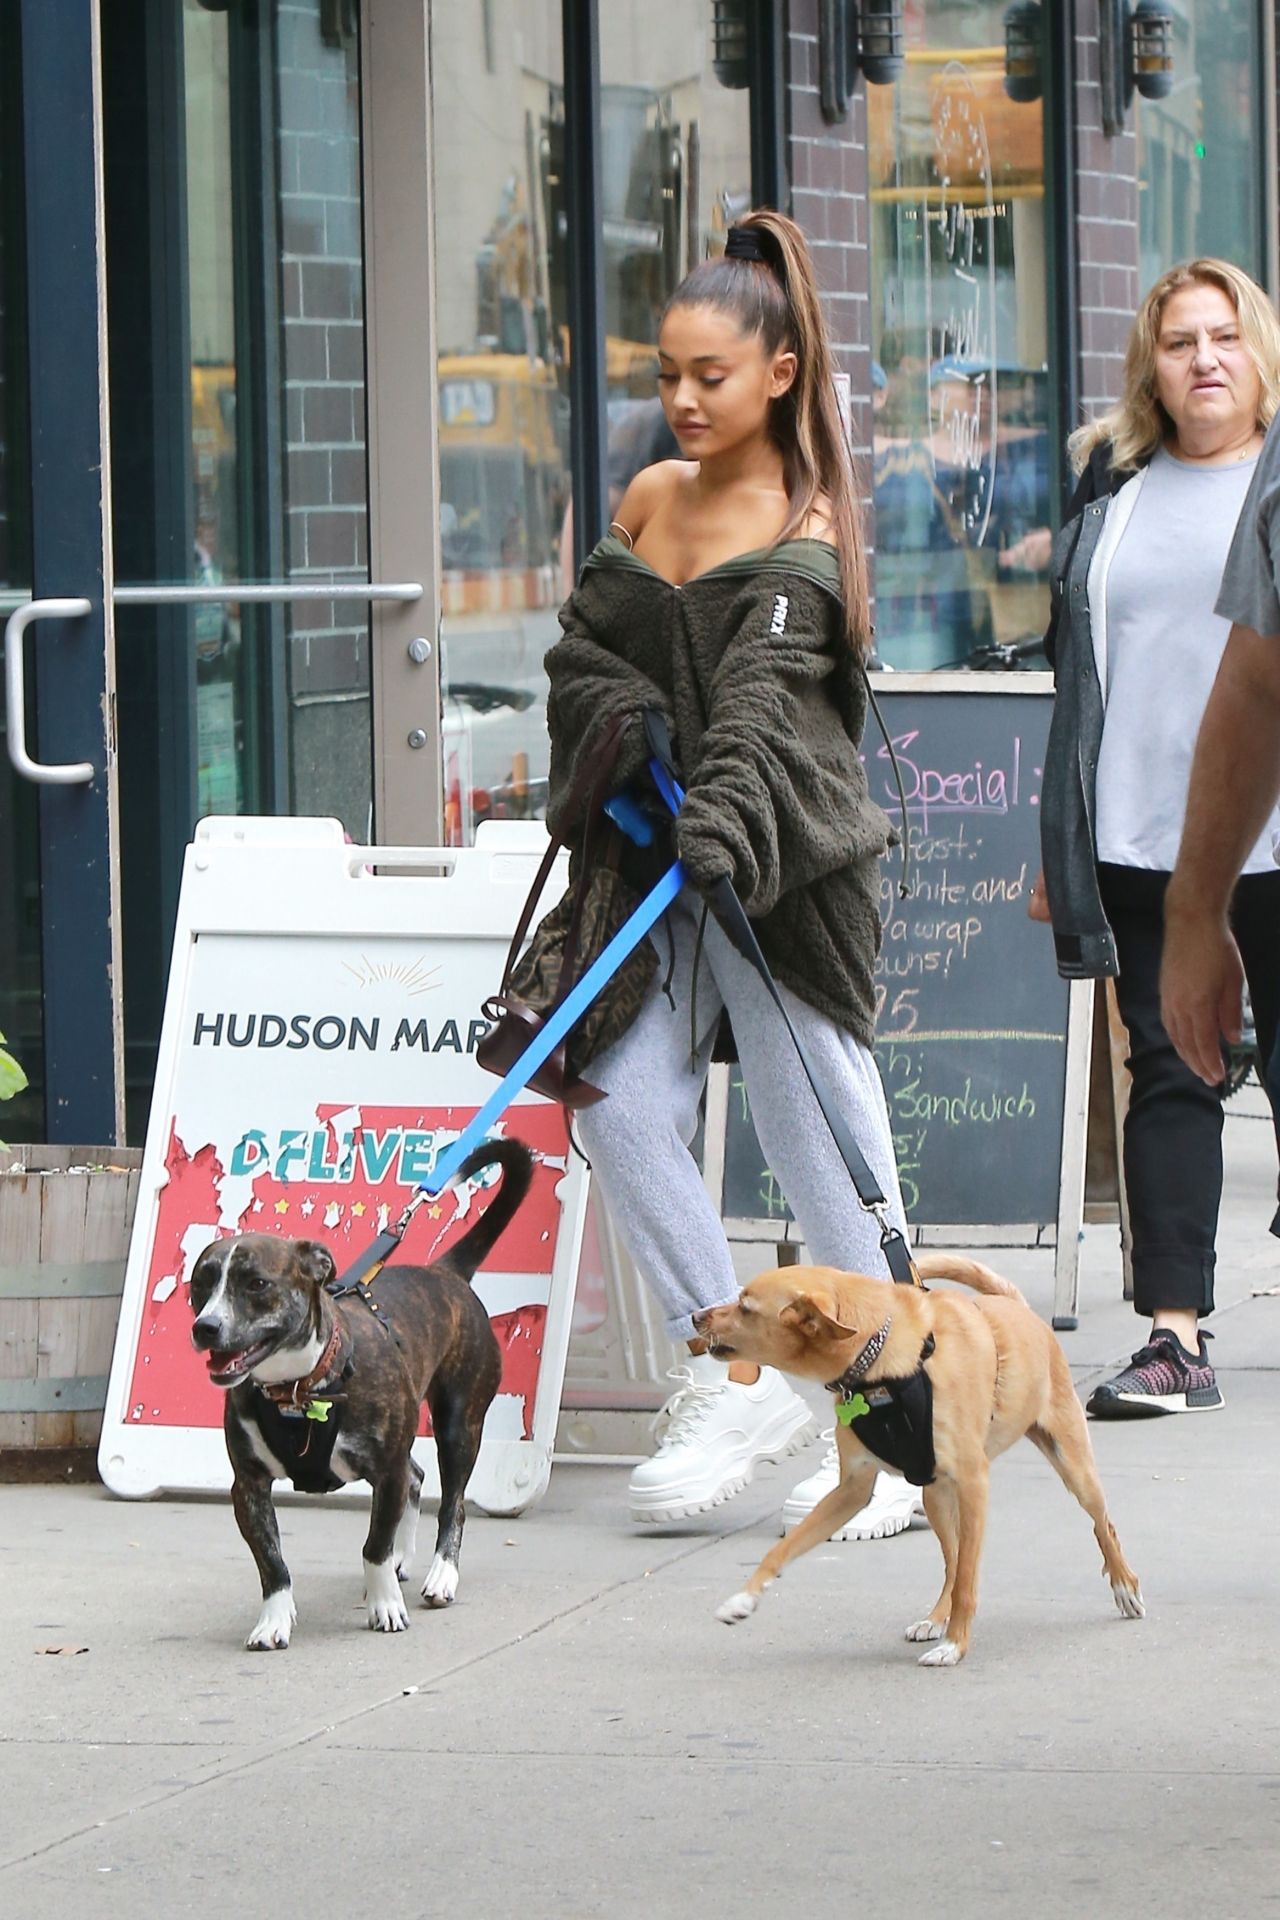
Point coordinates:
[[1200, 151], [498, 105], [238, 398], [960, 343], [676, 170], [215, 549], [232, 159], [322, 349]]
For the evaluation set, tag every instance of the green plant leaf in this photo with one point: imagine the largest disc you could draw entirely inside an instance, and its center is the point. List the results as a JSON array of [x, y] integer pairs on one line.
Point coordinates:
[[12, 1078]]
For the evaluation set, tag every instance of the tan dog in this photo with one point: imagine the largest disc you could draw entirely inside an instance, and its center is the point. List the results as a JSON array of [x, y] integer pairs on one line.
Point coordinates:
[[996, 1372]]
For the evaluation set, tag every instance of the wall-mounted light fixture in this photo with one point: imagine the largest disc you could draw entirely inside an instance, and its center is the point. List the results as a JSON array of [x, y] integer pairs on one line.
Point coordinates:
[[730, 44], [1022, 77], [882, 51], [1136, 55], [869, 36], [1151, 49]]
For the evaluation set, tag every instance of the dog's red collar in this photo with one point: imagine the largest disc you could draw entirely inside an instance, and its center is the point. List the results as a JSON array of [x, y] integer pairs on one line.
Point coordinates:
[[296, 1393]]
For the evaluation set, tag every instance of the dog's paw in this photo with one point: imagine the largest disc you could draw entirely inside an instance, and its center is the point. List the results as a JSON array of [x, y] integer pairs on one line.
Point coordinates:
[[945, 1654], [275, 1623], [441, 1583], [926, 1630], [739, 1606], [1130, 1601], [387, 1611]]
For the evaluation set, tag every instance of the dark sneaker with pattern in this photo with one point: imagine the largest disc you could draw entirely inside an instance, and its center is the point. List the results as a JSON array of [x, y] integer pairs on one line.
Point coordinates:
[[1162, 1377]]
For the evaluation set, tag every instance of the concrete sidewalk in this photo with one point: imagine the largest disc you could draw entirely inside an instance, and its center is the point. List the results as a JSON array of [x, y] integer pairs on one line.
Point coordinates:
[[579, 1737]]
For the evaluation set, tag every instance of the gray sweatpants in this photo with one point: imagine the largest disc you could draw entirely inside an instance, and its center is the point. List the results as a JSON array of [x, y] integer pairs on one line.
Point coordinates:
[[638, 1139]]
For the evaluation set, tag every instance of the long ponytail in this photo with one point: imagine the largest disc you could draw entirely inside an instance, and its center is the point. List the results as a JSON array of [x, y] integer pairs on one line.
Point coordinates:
[[776, 296]]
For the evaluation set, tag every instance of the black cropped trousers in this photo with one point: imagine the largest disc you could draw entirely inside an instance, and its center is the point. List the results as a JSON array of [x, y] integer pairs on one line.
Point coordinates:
[[1173, 1131]]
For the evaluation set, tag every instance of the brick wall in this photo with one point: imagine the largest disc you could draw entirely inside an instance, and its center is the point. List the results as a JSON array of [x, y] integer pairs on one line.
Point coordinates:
[[1106, 226], [322, 355], [829, 180], [828, 166]]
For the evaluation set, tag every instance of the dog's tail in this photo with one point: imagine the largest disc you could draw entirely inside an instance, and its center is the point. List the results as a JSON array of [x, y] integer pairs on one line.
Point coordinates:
[[968, 1273], [516, 1161]]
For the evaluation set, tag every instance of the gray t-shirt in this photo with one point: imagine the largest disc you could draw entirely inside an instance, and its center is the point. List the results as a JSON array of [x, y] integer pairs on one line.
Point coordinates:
[[1161, 645], [1248, 595]]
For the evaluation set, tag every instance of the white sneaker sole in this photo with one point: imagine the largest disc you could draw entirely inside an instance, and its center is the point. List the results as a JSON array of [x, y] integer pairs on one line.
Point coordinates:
[[1170, 1403], [896, 1520], [796, 1434]]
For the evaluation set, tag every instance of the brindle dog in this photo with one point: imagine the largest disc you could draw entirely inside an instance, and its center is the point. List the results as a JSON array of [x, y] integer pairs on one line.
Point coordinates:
[[325, 1391]]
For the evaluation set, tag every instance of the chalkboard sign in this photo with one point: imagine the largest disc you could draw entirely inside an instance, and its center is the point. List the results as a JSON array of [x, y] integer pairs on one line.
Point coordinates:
[[972, 1018]]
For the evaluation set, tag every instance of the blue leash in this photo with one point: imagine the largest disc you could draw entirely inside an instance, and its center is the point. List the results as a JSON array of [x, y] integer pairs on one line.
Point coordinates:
[[597, 976], [544, 1044]]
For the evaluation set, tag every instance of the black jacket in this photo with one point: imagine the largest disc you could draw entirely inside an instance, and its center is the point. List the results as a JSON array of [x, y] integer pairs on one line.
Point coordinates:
[[1083, 941]]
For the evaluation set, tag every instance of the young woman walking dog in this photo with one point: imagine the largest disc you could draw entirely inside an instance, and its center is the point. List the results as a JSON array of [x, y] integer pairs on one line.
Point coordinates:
[[730, 595]]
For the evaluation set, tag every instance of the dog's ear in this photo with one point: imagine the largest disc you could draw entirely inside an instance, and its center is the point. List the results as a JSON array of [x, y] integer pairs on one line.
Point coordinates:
[[314, 1262], [815, 1315]]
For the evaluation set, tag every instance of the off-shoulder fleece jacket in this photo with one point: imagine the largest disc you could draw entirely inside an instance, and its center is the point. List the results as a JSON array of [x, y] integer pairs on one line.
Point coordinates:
[[751, 667]]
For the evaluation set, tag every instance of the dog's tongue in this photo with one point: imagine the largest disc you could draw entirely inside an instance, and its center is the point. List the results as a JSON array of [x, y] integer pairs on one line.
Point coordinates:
[[219, 1363]]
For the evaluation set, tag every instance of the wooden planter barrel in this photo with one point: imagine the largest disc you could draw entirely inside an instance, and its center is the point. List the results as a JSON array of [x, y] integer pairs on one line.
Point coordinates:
[[65, 1217]]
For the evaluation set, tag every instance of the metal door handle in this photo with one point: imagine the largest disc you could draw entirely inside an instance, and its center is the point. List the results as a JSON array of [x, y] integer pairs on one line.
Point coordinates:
[[75, 772]]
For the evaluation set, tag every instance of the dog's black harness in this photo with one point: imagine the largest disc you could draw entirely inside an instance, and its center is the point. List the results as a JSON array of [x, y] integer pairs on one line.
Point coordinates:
[[303, 1442], [892, 1418], [300, 1419]]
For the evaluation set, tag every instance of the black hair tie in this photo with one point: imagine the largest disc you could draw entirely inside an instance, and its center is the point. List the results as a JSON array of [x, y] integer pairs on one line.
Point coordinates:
[[743, 243]]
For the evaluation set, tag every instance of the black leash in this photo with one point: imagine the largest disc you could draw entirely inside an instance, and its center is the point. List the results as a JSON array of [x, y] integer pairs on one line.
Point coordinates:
[[370, 1263], [733, 918], [871, 1197]]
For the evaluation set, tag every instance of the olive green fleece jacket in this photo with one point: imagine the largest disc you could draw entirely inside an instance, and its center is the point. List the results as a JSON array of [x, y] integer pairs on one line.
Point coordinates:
[[751, 666]]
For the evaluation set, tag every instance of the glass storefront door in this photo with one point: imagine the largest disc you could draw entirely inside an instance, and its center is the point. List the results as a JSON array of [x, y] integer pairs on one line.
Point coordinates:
[[238, 413], [20, 996], [234, 262]]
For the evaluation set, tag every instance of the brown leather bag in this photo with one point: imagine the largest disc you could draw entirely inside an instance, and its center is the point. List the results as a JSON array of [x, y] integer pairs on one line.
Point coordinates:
[[565, 943]]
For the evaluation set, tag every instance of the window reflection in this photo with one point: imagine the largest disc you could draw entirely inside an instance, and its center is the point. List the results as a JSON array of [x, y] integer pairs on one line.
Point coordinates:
[[676, 171], [1200, 150], [503, 395], [277, 453], [214, 559], [959, 333]]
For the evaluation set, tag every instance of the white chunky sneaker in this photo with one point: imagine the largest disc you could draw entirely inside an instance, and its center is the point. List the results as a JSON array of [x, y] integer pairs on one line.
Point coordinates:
[[716, 1434], [890, 1509]]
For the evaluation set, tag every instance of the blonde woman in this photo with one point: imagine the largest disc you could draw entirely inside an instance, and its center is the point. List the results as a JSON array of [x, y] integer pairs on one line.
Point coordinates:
[[1135, 645]]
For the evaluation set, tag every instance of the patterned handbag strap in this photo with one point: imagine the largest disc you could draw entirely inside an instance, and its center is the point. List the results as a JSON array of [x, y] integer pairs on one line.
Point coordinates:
[[586, 792]]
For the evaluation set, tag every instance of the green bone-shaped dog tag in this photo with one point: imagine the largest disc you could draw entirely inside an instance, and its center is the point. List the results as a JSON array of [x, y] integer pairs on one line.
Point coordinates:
[[850, 1410], [319, 1409]]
